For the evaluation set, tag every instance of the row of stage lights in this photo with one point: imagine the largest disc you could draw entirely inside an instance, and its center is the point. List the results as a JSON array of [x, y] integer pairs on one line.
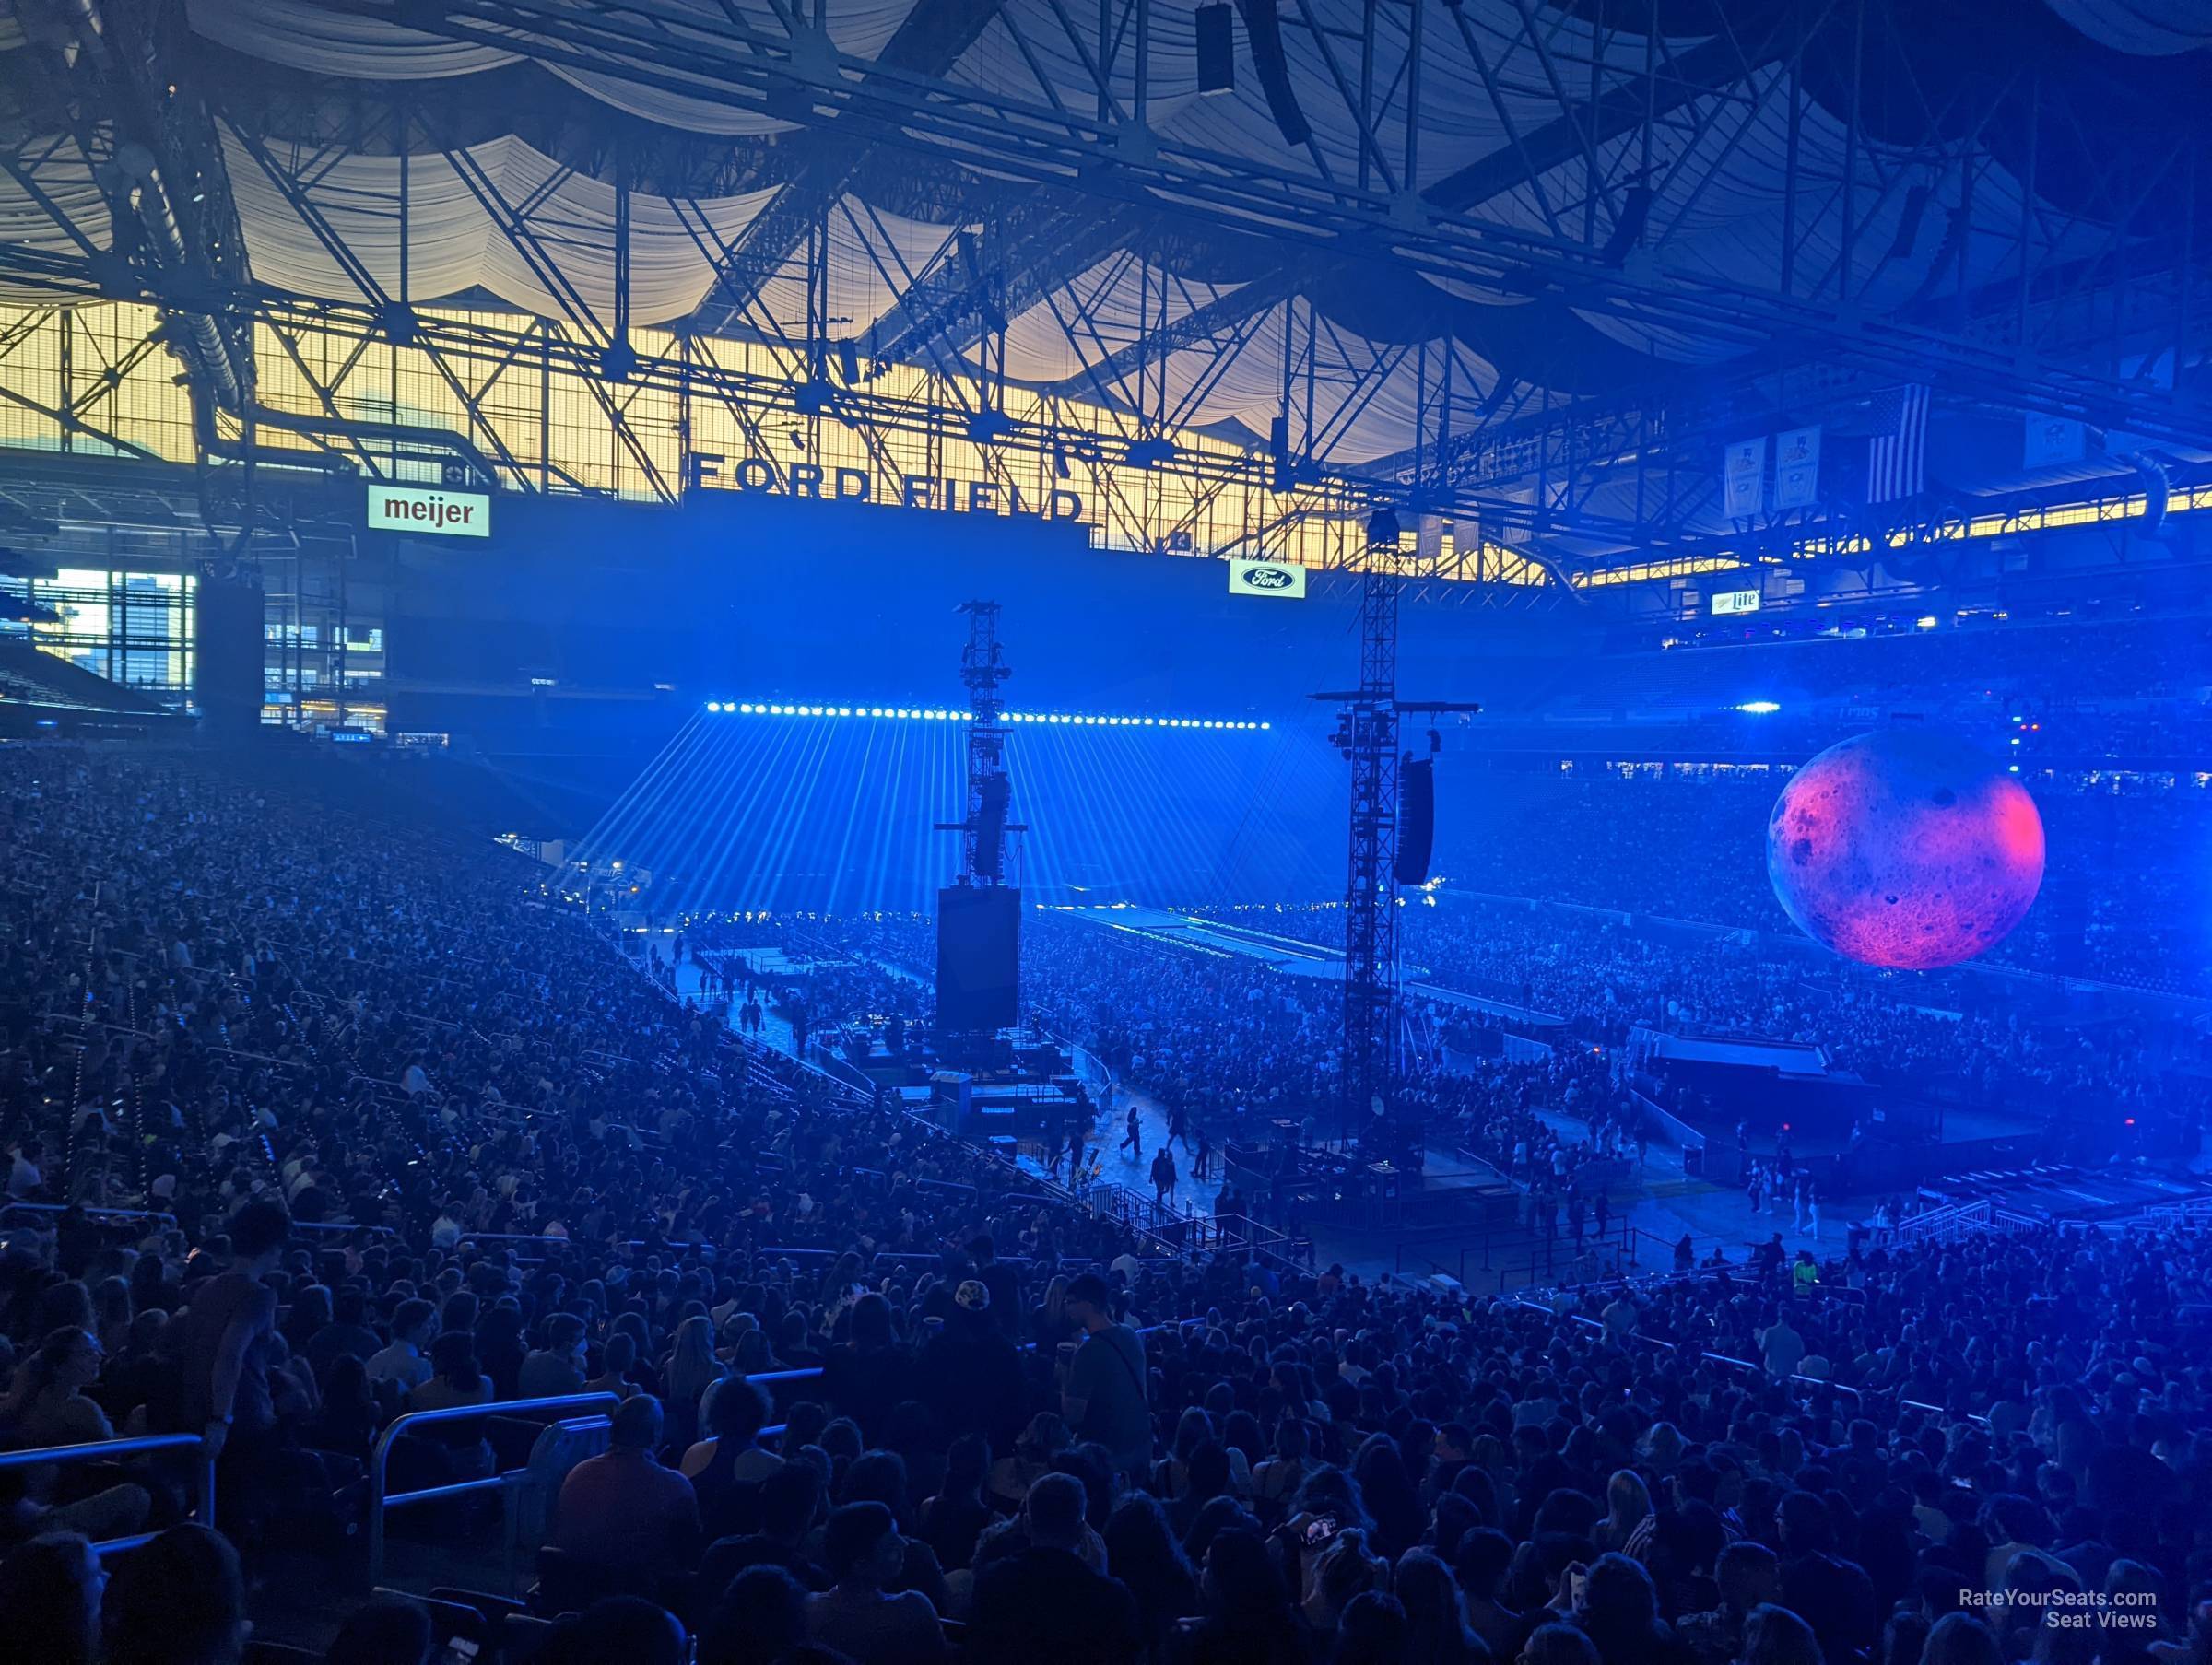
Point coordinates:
[[747, 708]]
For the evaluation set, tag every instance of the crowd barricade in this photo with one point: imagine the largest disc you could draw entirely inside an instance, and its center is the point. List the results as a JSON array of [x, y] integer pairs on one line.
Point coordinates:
[[509, 1482], [107, 1451]]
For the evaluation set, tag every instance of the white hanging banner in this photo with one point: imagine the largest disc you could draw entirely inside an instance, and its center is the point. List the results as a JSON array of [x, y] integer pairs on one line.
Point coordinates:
[[1797, 468], [1742, 478]]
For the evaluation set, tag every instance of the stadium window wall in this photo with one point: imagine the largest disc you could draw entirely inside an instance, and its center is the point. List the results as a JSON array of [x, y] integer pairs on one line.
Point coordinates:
[[567, 431], [131, 627]]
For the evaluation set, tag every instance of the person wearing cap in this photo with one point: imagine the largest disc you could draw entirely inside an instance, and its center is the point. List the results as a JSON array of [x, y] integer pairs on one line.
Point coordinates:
[[1104, 1399], [971, 1374]]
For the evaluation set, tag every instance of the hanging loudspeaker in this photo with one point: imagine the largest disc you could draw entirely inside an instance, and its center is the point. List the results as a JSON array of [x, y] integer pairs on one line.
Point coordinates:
[[1264, 33], [1216, 48], [1416, 821]]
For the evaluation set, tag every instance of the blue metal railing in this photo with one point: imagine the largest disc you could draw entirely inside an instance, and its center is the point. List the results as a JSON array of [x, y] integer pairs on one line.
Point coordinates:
[[107, 1451], [381, 1457]]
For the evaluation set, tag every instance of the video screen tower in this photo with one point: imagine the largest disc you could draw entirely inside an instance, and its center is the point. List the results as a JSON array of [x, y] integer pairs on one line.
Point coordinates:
[[978, 914]]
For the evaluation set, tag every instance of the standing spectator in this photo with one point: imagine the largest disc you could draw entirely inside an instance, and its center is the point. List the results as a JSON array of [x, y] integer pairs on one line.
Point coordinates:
[[1106, 1396], [224, 1377]]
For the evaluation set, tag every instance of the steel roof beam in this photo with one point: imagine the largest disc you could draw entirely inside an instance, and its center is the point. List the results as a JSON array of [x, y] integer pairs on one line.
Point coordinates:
[[931, 40]]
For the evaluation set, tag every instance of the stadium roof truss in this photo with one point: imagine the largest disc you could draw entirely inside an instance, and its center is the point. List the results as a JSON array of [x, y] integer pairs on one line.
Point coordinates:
[[1519, 266]]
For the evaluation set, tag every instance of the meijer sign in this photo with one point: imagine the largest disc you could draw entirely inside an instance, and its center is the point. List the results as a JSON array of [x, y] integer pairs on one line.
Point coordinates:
[[421, 509]]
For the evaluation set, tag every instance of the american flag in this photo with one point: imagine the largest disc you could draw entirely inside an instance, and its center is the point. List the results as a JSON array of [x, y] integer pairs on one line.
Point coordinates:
[[1897, 454]]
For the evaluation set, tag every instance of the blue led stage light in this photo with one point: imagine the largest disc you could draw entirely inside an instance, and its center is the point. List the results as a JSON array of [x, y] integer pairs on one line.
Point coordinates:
[[746, 707]]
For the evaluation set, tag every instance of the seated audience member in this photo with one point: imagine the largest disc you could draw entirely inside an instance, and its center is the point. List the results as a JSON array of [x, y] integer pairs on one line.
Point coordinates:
[[1043, 1601], [759, 1620], [406, 1364], [622, 1508], [626, 1628], [49, 1599], [1749, 1577], [857, 1617], [387, 1629], [177, 1600], [345, 1335], [558, 1367], [456, 1378], [790, 1502]]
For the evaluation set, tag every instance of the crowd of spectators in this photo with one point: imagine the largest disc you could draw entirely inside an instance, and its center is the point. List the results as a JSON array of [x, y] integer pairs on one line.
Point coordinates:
[[403, 1134]]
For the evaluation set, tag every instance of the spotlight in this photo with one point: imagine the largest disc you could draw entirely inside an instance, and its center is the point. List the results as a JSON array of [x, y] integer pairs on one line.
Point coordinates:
[[1383, 529], [746, 709], [713, 705]]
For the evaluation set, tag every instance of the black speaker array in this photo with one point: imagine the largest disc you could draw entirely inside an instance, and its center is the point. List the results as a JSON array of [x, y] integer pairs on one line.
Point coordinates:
[[228, 650], [1416, 821], [1217, 48], [979, 956]]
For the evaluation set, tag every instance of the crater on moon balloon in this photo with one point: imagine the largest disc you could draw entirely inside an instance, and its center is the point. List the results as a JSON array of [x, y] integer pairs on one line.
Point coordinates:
[[1906, 849]]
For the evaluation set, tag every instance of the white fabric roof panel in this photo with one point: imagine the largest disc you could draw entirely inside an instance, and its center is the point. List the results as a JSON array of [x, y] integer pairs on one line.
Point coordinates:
[[331, 41], [457, 244], [1108, 308], [1720, 166]]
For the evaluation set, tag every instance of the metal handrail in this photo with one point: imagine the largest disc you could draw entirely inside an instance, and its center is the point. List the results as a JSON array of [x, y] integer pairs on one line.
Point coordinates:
[[96, 1213], [103, 1451], [379, 1458]]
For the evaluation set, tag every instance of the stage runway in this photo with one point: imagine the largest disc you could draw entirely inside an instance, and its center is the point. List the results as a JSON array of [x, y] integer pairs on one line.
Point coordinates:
[[1292, 956]]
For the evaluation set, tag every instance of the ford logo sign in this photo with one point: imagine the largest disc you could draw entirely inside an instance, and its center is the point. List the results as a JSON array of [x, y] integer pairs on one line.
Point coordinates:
[[1268, 578]]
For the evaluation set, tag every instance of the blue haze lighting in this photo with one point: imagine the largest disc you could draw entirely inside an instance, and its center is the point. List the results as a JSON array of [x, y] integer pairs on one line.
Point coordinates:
[[781, 811]]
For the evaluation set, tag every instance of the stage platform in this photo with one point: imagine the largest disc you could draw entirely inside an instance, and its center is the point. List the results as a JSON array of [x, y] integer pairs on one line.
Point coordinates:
[[2061, 1193]]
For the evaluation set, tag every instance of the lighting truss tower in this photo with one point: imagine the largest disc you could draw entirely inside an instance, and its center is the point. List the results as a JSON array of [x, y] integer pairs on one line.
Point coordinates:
[[1367, 733], [983, 832]]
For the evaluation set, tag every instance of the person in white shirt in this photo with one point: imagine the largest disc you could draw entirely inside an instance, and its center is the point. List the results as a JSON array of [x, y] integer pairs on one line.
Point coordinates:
[[404, 1361], [23, 1176]]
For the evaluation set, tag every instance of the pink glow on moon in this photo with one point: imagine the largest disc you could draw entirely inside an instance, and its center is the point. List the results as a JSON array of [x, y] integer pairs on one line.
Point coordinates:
[[1905, 850]]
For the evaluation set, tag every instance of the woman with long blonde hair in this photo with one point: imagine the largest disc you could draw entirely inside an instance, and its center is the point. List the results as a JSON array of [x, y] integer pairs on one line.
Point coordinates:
[[1628, 1503], [691, 1369]]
